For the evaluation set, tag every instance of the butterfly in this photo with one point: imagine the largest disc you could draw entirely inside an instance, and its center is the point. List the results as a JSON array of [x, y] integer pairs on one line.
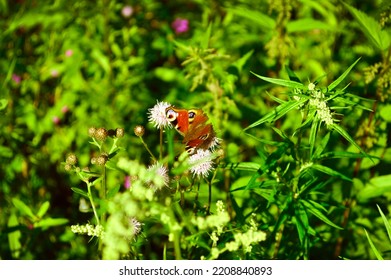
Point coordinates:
[[194, 127]]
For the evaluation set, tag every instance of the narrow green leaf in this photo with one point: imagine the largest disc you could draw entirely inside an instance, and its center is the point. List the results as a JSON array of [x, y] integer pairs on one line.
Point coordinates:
[[51, 222], [345, 135], [23, 208], [316, 209], [312, 137], [3, 103], [43, 209], [278, 112], [342, 77], [374, 249], [320, 148], [386, 223], [301, 222], [263, 20], [292, 75], [329, 171], [80, 191], [306, 24], [245, 166], [14, 237], [281, 82]]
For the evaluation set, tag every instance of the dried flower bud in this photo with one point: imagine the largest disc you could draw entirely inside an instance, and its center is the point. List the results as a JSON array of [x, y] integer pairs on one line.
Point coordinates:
[[101, 160], [111, 132], [91, 131], [93, 160], [71, 159], [68, 167], [119, 132], [139, 130], [101, 134]]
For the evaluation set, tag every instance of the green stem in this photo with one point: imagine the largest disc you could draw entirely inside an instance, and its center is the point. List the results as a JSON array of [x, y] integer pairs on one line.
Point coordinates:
[[92, 203], [146, 147]]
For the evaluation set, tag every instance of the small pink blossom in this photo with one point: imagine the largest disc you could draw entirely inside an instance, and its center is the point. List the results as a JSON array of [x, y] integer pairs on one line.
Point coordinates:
[[56, 120], [127, 11], [68, 53], [16, 78], [127, 182], [54, 73], [180, 25], [64, 109]]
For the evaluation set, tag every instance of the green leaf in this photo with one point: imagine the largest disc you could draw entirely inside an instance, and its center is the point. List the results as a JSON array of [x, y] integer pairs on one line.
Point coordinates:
[[377, 186], [342, 77], [345, 135], [80, 191], [241, 61], [14, 237], [245, 166], [316, 209], [320, 148], [329, 171], [281, 82], [113, 191], [51, 222], [377, 254], [306, 24], [23, 208], [312, 137], [386, 223], [43, 209], [264, 21], [371, 28], [278, 112], [3, 104], [301, 222]]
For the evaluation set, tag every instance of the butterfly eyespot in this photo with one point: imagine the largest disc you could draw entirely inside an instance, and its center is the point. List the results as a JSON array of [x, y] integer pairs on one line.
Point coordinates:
[[171, 115], [191, 115]]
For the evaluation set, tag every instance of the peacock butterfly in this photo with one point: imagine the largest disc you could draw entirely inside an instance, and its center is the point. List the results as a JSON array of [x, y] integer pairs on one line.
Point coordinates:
[[194, 127]]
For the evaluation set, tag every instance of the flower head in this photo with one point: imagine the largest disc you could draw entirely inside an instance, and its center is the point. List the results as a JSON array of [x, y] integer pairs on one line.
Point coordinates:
[[127, 11], [157, 115], [16, 78], [180, 25], [127, 182], [160, 177], [68, 53], [201, 163]]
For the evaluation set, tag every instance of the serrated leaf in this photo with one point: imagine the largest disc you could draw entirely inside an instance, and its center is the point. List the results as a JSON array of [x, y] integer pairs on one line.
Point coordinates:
[[316, 209], [23, 208], [371, 28], [43, 209], [374, 249], [281, 82], [80, 191], [342, 77]]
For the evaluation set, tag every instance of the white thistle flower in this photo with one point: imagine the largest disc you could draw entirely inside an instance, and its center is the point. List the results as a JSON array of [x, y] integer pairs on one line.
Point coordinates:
[[157, 115], [201, 163], [160, 176]]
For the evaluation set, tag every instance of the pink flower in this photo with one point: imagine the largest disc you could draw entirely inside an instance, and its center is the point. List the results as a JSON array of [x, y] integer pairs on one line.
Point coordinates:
[[54, 73], [180, 25], [16, 78], [56, 120], [68, 53], [64, 109], [127, 11], [127, 182]]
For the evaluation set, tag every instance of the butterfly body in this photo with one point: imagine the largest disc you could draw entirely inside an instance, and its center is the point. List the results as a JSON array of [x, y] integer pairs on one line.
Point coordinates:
[[194, 127]]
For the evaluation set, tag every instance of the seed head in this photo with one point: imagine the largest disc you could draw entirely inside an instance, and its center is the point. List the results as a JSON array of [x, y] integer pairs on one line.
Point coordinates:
[[139, 130]]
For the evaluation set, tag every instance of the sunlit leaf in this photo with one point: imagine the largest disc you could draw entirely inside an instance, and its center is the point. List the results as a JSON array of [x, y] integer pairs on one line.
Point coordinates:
[[23, 208], [342, 77], [373, 247], [316, 209]]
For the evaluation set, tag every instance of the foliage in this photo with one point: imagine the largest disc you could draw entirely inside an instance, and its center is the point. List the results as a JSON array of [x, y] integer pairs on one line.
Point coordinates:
[[298, 94]]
